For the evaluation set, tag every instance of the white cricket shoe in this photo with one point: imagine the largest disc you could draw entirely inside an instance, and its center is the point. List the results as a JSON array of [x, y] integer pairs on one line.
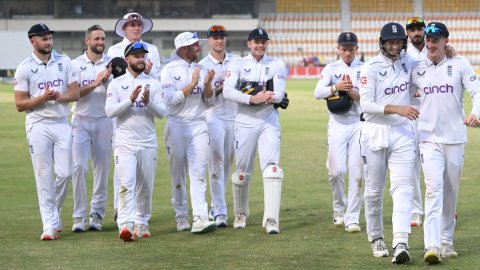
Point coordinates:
[[221, 221], [417, 220], [353, 228], [126, 233], [95, 222], [271, 226], [338, 218], [379, 248], [182, 224], [49, 234], [432, 255], [203, 225], [141, 230], [447, 251], [240, 221], [400, 254], [79, 224]]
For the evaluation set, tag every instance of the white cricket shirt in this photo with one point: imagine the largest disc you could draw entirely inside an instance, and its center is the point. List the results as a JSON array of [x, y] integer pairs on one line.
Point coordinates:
[[222, 108], [248, 68], [441, 89], [33, 76], [332, 74], [135, 121], [93, 104]]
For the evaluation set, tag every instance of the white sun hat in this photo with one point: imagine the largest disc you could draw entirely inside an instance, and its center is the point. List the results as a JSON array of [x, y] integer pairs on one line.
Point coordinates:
[[186, 39], [147, 23]]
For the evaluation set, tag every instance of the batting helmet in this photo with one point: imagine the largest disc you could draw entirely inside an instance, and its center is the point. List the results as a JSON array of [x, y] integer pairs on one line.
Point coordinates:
[[393, 31], [339, 104]]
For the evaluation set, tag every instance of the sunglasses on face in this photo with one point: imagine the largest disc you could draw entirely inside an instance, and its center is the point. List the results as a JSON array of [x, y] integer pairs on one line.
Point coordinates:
[[136, 45], [433, 30], [413, 20]]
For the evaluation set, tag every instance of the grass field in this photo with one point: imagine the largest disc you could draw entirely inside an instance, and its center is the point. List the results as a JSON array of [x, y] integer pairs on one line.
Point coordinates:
[[308, 238]]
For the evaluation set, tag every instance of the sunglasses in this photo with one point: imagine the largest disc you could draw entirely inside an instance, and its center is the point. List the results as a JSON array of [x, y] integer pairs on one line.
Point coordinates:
[[216, 28], [415, 20], [136, 46], [433, 30], [134, 16]]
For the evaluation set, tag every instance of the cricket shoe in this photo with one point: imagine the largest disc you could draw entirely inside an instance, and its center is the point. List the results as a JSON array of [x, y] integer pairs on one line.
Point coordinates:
[[353, 228], [432, 255], [447, 251], [203, 225], [141, 230], [126, 233], [78, 224], [49, 234], [379, 248], [417, 220], [95, 223], [271, 226], [400, 254], [221, 221], [338, 219], [240, 221], [182, 224], [59, 227]]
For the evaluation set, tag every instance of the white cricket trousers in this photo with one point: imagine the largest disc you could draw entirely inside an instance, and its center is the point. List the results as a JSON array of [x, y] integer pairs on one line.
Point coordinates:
[[343, 153], [50, 144], [220, 161], [91, 140], [266, 136], [187, 150], [442, 168], [136, 167], [417, 204], [399, 156]]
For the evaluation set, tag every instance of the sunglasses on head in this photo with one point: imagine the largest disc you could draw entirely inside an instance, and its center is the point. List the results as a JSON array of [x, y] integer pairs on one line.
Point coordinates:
[[433, 30], [413, 20], [216, 28], [134, 16], [136, 45]]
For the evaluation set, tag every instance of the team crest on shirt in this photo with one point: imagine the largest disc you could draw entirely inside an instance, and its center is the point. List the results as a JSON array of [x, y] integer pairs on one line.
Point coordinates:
[[405, 69], [177, 78], [147, 86], [383, 74], [34, 71], [421, 74], [358, 75], [267, 71], [83, 67], [60, 67], [449, 70], [363, 80]]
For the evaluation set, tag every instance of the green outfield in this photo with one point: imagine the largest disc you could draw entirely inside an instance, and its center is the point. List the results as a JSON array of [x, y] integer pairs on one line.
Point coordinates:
[[308, 238]]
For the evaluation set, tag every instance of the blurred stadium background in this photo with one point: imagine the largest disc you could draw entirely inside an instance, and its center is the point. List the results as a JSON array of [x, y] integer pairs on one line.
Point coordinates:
[[303, 32]]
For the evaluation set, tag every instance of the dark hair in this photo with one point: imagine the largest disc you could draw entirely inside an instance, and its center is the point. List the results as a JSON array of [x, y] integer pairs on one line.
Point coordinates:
[[92, 28]]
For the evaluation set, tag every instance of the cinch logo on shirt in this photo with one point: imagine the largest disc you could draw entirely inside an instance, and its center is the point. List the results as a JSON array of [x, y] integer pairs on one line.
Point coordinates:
[[218, 83], [86, 82], [438, 89], [197, 90], [49, 84], [397, 88]]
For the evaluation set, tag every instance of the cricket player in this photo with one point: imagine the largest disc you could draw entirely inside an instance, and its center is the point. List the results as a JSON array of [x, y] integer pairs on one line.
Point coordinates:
[[188, 91], [91, 132], [135, 99], [220, 120], [257, 126], [341, 79], [131, 28], [388, 139], [417, 50], [442, 130], [45, 83]]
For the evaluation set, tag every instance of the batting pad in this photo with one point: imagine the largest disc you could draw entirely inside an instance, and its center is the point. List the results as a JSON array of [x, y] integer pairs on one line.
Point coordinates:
[[272, 190], [240, 192]]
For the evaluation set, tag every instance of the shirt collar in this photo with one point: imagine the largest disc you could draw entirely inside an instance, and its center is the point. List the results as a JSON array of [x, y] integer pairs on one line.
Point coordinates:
[[430, 63], [38, 61], [263, 60], [87, 60], [215, 61]]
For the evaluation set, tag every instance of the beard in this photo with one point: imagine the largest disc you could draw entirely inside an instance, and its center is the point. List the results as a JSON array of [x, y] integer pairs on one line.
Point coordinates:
[[45, 51], [139, 68], [97, 49]]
